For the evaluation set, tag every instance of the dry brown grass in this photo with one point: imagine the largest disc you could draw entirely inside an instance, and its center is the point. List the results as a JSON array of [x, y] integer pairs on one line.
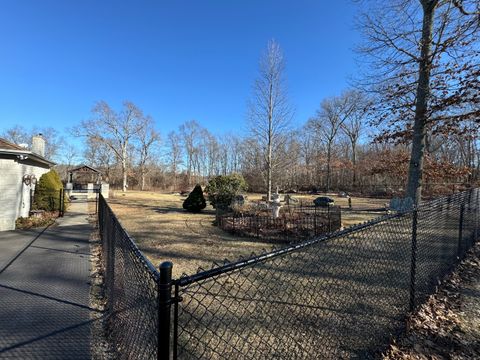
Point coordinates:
[[164, 231]]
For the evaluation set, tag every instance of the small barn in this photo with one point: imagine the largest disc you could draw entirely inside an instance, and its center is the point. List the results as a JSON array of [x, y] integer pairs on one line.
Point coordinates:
[[20, 168], [85, 182]]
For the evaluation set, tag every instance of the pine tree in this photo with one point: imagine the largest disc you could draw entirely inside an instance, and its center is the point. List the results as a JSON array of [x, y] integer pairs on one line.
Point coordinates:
[[195, 201]]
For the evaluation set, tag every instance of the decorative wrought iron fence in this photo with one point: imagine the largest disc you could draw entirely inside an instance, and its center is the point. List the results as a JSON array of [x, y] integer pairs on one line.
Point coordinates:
[[342, 295], [295, 223]]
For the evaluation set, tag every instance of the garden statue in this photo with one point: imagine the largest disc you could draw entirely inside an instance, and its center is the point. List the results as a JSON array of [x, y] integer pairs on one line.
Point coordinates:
[[275, 203]]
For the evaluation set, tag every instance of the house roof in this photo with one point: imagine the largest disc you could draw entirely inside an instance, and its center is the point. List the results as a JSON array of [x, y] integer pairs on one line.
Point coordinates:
[[8, 148], [5, 145]]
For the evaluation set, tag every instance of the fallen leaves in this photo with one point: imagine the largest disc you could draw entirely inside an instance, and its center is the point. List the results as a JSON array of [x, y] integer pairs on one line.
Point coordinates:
[[447, 326]]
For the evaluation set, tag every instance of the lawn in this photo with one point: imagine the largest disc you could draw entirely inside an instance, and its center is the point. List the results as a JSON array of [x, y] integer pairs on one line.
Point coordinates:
[[164, 231]]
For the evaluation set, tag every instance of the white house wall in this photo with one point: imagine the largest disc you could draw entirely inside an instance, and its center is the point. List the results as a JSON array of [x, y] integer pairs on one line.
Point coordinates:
[[14, 194]]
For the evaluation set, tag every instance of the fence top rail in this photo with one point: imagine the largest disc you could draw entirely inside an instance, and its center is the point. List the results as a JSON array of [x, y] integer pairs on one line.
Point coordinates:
[[151, 269], [228, 267]]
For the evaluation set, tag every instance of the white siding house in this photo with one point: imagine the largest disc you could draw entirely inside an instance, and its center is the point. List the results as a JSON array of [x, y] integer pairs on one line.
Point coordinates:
[[19, 170]]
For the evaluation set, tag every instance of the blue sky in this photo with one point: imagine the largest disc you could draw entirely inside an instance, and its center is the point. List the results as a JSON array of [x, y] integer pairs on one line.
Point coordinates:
[[177, 60]]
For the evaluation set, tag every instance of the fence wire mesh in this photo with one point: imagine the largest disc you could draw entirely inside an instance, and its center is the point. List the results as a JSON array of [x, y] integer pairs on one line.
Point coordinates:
[[342, 296], [131, 291], [446, 229]]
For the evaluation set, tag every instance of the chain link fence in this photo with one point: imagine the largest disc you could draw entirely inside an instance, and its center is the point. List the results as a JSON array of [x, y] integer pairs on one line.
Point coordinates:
[[131, 290], [342, 295]]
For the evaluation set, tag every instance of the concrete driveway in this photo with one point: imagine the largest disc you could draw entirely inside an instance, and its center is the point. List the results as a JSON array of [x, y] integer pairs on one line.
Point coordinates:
[[12, 243], [44, 290]]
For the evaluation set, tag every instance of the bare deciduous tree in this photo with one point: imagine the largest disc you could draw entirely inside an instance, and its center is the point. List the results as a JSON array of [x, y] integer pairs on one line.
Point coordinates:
[[115, 130], [148, 139], [425, 69], [331, 116], [190, 134], [353, 126], [53, 140], [269, 110], [17, 135], [174, 155], [70, 155], [99, 155]]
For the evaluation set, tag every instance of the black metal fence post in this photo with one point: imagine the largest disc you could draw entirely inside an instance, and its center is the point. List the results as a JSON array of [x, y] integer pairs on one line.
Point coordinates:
[[100, 219], [60, 203], [413, 263], [460, 230], [164, 306], [96, 199]]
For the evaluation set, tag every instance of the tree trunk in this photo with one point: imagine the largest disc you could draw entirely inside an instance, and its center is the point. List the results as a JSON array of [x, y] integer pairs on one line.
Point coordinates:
[[124, 175], [414, 185], [124, 168], [354, 164], [189, 170], [269, 150], [269, 176], [329, 158], [142, 180], [174, 177]]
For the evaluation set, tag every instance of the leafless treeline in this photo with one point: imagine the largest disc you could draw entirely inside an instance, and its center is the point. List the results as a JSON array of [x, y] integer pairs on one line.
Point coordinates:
[[331, 150], [316, 156]]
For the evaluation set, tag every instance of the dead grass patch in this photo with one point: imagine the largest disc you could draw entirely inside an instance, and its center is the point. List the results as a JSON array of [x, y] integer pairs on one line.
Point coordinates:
[[164, 231]]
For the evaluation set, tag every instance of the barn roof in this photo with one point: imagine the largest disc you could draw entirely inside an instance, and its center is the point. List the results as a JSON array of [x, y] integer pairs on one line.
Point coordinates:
[[84, 168]]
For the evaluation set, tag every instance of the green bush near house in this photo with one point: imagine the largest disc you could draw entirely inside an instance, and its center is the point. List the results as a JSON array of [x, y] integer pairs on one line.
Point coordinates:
[[47, 192]]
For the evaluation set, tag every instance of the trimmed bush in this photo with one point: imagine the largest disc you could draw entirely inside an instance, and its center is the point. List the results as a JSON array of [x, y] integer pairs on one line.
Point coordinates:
[[47, 192], [195, 201], [223, 189]]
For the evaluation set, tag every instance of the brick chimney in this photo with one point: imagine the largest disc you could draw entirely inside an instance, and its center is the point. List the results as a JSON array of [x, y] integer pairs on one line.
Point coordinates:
[[38, 145]]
